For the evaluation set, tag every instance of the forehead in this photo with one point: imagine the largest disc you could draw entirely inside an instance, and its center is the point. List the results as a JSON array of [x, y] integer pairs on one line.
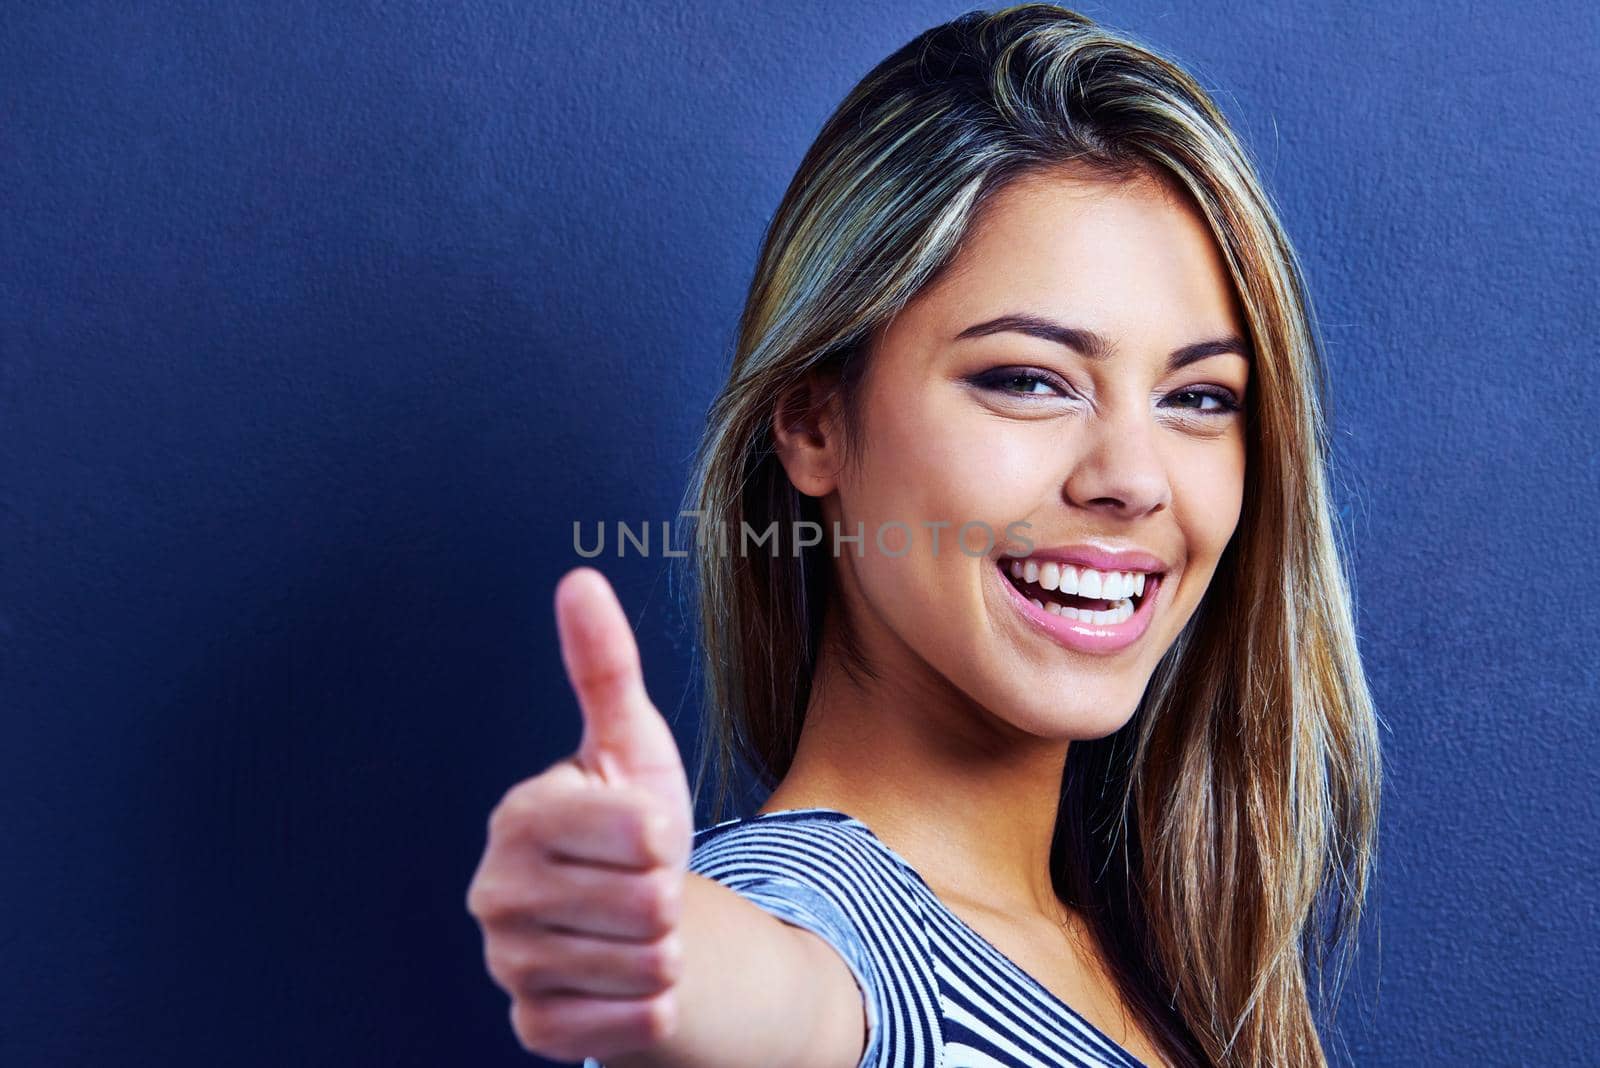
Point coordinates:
[[1129, 257]]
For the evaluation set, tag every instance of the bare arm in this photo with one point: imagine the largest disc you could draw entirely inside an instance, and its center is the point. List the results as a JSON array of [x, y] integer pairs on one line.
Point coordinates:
[[755, 990]]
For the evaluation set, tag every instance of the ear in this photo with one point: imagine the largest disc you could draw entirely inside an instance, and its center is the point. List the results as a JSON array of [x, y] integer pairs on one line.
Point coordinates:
[[805, 430]]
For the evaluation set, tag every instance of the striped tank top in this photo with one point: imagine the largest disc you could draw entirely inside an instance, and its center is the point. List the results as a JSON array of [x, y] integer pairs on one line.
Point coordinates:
[[937, 994]]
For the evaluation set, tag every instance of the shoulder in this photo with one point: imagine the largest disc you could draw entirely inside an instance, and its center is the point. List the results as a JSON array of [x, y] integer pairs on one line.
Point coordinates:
[[826, 872], [817, 846], [818, 860]]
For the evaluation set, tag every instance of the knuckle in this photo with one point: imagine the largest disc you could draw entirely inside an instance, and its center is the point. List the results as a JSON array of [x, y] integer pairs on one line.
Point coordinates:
[[499, 903], [474, 901], [546, 1032], [515, 965], [532, 1026], [658, 1018], [528, 804], [518, 813], [492, 902], [661, 900], [648, 834], [638, 829], [662, 961], [536, 898], [541, 1029], [498, 964], [483, 898]]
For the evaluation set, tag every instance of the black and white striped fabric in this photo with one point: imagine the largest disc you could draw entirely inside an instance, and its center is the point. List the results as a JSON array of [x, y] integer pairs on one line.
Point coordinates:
[[937, 993]]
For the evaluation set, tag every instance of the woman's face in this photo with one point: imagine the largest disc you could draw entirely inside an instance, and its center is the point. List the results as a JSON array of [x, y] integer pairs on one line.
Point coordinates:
[[1093, 438]]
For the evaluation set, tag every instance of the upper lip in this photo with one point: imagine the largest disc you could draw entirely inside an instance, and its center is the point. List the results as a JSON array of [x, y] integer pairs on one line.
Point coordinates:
[[1099, 557]]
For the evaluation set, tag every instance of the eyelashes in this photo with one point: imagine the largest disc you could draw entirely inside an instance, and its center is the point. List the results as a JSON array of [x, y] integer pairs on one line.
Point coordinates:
[[1226, 403], [1002, 381], [1026, 382]]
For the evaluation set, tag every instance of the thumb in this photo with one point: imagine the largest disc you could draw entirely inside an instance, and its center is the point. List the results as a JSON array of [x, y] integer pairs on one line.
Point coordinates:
[[625, 739]]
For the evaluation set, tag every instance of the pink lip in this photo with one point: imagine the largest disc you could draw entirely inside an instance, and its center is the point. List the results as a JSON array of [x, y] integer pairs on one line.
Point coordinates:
[[1099, 559], [1087, 637]]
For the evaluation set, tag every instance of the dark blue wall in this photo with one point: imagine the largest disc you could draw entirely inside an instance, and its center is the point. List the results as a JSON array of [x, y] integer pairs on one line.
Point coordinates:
[[319, 323]]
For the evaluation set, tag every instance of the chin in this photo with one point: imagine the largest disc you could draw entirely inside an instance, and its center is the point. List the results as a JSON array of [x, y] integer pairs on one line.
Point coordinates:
[[1078, 718]]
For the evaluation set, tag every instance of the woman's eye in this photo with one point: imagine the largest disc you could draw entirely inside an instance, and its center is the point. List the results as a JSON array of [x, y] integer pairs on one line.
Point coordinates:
[[1021, 383], [1222, 401]]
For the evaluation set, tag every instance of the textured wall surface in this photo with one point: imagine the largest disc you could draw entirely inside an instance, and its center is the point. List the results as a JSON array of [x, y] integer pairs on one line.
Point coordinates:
[[319, 323]]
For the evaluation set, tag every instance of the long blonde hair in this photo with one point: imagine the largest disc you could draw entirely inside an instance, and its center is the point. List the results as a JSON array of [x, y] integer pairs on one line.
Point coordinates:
[[1220, 843]]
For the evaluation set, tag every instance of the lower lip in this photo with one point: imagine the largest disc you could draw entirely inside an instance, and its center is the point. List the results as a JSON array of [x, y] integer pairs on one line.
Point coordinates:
[[1088, 637]]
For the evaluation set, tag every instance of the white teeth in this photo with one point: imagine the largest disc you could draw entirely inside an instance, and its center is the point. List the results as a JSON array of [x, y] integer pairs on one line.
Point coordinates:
[[1118, 586], [1069, 579], [1120, 613]]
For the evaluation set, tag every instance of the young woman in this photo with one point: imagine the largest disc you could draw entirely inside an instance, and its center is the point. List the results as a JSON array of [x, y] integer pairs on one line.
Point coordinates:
[[1017, 582]]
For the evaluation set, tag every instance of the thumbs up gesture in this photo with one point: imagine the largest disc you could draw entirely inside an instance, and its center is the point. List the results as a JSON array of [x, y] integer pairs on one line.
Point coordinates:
[[580, 889]]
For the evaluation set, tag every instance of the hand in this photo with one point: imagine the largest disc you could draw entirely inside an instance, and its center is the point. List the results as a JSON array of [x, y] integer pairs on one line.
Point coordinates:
[[580, 888]]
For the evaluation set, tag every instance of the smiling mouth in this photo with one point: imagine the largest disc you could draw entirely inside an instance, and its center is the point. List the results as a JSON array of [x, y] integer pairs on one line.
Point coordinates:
[[1058, 590]]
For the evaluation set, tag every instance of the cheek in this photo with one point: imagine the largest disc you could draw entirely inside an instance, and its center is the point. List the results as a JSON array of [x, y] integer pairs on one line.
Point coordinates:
[[947, 464], [1208, 497]]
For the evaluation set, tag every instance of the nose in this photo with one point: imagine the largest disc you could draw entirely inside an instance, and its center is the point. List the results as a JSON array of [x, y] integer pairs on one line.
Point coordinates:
[[1118, 468]]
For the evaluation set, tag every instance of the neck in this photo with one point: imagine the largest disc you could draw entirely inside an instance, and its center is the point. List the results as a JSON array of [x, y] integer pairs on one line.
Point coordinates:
[[967, 799]]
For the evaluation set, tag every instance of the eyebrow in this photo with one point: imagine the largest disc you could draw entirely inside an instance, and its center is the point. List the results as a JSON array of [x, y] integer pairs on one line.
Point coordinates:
[[1092, 345]]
